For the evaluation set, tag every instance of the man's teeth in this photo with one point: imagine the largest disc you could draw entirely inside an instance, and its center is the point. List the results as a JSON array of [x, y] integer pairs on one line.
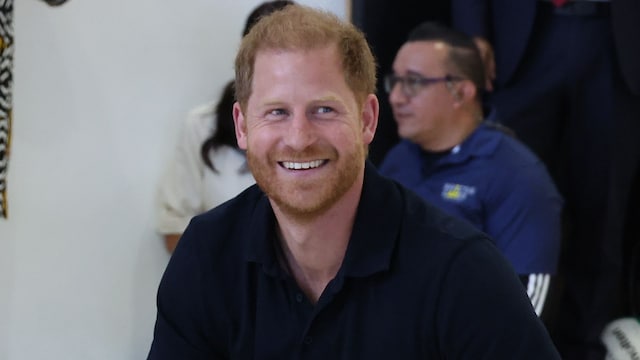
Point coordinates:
[[301, 165]]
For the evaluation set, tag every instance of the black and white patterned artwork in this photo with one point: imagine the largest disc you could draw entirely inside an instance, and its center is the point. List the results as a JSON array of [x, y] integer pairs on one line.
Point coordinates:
[[6, 82]]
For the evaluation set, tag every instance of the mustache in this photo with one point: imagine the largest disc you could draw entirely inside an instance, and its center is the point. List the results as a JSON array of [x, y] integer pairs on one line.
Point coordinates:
[[286, 153], [312, 152]]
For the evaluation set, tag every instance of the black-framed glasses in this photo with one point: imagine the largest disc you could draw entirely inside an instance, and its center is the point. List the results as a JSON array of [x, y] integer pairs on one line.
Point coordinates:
[[412, 84]]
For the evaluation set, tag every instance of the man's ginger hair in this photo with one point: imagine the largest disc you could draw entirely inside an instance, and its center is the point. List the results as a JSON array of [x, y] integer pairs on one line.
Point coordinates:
[[299, 27]]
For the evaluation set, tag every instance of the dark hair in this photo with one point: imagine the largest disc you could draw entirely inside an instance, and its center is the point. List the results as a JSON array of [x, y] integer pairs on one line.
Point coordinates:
[[463, 58], [262, 10], [224, 131]]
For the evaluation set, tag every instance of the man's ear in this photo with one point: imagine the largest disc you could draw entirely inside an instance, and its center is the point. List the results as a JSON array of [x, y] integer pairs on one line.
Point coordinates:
[[370, 111], [468, 91], [463, 91], [240, 125]]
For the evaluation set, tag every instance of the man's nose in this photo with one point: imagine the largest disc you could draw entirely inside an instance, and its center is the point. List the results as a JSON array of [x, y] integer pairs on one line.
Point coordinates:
[[302, 132], [397, 94]]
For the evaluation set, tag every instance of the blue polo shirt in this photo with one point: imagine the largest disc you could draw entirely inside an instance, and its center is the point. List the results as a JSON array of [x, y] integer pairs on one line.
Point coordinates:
[[414, 284], [495, 183]]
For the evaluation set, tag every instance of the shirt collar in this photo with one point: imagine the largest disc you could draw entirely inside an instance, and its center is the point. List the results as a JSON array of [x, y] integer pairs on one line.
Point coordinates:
[[373, 239], [480, 143], [376, 227]]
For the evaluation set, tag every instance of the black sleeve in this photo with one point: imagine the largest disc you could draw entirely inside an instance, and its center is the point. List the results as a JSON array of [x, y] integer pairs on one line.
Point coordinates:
[[537, 286], [181, 330], [482, 296], [543, 292]]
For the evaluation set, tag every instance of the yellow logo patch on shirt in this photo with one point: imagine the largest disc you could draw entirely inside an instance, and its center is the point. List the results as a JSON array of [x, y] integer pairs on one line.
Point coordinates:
[[457, 192]]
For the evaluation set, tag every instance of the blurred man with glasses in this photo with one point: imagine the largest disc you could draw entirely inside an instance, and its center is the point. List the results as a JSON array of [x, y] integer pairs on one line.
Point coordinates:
[[468, 166]]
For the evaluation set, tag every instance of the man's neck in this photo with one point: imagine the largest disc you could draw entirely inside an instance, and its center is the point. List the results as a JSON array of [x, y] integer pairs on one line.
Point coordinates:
[[459, 130], [314, 249]]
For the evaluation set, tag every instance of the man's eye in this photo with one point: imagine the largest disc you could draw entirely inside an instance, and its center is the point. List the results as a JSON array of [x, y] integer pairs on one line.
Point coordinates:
[[324, 110], [277, 112], [414, 82]]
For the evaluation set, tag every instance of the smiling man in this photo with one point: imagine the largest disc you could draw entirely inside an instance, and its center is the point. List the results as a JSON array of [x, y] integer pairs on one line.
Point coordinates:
[[324, 258]]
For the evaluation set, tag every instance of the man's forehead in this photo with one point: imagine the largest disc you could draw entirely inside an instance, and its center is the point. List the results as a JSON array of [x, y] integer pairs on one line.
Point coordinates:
[[438, 46], [420, 54], [268, 61]]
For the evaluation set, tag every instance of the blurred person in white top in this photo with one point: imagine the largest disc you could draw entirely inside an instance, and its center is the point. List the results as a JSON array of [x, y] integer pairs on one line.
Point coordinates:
[[208, 168]]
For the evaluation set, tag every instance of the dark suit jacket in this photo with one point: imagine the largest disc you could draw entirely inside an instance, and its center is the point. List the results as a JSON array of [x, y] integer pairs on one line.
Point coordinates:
[[508, 25]]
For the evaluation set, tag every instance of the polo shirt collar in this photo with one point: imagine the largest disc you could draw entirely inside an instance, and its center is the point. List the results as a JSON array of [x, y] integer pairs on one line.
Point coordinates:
[[260, 236], [479, 144], [376, 227], [373, 239]]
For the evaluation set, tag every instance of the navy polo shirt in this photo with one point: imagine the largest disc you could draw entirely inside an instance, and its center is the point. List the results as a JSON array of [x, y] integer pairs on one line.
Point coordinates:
[[415, 283], [495, 183]]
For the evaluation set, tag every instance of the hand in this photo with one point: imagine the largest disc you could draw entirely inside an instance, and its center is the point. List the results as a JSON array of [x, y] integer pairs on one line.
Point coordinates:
[[171, 241], [486, 53]]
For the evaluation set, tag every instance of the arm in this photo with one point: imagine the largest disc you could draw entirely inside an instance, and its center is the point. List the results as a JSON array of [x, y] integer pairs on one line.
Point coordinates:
[[171, 241], [523, 216], [525, 221], [544, 291], [537, 286], [180, 192], [181, 330]]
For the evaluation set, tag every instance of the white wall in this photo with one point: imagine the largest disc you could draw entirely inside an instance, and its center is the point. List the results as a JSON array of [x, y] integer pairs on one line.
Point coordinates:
[[100, 90]]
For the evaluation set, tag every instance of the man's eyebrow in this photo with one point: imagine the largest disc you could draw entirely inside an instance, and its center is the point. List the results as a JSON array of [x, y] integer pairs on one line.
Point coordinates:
[[328, 98], [271, 102], [414, 73], [280, 103]]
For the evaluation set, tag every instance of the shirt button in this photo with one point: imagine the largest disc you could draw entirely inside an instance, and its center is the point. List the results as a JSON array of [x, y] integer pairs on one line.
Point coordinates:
[[308, 340], [299, 297]]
